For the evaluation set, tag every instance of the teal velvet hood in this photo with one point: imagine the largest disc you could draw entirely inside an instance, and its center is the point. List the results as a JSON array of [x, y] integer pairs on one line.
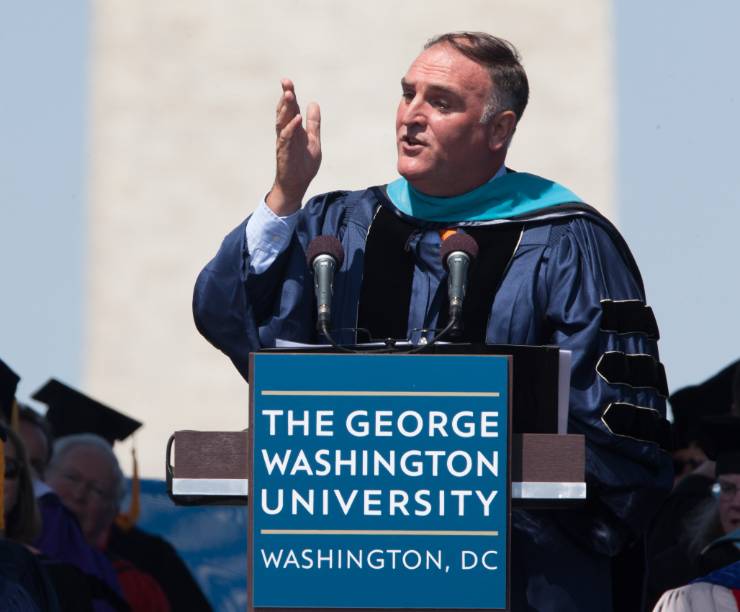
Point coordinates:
[[511, 195]]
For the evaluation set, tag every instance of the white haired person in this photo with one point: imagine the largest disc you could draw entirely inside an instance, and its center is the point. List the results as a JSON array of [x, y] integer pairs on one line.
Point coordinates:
[[712, 532], [72, 412], [84, 472]]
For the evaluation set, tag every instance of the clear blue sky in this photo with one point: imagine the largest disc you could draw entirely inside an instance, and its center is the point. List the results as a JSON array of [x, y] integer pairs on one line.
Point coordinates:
[[679, 182], [43, 109]]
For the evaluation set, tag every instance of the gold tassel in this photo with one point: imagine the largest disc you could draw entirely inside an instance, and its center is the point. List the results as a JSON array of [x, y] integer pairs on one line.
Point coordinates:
[[126, 520], [14, 418]]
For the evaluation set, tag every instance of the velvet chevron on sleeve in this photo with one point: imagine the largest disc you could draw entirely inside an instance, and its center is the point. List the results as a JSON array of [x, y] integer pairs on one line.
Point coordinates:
[[584, 266]]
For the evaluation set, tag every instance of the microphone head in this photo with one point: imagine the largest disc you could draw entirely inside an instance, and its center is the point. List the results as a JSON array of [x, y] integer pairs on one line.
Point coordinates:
[[459, 241], [325, 245]]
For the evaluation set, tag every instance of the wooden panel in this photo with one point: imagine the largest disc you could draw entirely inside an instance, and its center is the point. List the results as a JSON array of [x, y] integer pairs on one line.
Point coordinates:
[[260, 609], [547, 458], [210, 454], [534, 457]]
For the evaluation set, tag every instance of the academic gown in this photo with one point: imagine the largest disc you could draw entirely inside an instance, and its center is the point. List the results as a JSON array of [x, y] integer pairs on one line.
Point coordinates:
[[675, 566], [569, 266], [25, 583], [14, 598], [141, 591], [73, 587], [61, 539], [158, 558]]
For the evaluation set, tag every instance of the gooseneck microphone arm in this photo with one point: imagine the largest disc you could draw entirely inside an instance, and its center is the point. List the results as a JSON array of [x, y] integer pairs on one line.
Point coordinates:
[[457, 253]]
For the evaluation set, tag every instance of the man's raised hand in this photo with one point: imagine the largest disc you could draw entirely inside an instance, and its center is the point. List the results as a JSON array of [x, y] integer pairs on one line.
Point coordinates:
[[298, 152]]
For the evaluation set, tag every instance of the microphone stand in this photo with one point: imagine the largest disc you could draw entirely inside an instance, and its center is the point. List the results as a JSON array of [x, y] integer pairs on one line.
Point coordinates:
[[390, 348]]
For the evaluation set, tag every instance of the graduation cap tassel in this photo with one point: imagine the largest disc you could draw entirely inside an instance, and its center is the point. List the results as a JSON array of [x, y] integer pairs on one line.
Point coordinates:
[[14, 418], [126, 520]]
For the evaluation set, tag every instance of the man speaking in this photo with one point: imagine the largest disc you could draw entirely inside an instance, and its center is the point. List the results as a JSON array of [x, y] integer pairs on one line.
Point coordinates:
[[550, 270]]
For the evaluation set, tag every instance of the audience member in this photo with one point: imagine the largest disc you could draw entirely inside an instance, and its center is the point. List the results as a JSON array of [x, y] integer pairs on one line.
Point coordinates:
[[81, 576], [72, 532], [695, 474], [71, 413], [718, 395], [37, 438], [24, 578], [710, 534], [22, 520], [85, 473], [72, 588]]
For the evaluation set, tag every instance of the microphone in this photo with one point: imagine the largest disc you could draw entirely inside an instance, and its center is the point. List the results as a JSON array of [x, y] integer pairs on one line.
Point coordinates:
[[324, 256], [457, 252]]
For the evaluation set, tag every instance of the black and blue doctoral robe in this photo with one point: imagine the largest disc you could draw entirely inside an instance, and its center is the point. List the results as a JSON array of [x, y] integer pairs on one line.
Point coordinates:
[[569, 281]]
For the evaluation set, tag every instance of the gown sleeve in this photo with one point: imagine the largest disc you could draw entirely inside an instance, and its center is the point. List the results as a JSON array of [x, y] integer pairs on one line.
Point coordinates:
[[595, 307], [239, 311]]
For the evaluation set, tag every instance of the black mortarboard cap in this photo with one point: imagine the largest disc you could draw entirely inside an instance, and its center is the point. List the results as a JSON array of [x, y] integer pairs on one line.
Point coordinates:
[[691, 404], [72, 412], [720, 440], [8, 385]]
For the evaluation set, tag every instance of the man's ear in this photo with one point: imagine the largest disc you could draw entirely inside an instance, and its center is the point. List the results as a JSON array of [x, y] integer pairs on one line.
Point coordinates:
[[501, 130]]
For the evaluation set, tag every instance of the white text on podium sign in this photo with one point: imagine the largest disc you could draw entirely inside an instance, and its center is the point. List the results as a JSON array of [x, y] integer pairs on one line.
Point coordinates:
[[379, 481]]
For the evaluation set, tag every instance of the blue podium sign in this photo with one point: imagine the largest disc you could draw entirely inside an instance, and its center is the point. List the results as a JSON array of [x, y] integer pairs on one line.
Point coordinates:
[[379, 481]]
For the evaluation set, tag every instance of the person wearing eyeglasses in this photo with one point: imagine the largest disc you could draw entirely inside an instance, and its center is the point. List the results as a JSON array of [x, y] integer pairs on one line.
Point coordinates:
[[84, 472], [711, 533], [719, 591]]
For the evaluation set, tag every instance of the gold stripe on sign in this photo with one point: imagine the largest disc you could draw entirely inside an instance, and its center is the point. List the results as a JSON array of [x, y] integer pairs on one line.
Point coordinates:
[[386, 393], [375, 532]]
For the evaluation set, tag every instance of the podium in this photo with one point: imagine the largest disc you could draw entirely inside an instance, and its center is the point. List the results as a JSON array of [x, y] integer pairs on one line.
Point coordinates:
[[210, 467], [389, 456]]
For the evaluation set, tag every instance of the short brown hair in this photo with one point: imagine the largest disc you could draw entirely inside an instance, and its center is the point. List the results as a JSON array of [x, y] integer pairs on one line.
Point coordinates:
[[502, 60]]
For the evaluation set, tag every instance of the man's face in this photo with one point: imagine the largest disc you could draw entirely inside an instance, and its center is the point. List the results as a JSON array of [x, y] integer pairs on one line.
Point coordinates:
[[443, 148], [84, 480], [36, 445], [729, 501]]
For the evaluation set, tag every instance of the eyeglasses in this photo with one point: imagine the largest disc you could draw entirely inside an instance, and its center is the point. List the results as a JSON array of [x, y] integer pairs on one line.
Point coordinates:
[[97, 491], [12, 468], [725, 489]]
